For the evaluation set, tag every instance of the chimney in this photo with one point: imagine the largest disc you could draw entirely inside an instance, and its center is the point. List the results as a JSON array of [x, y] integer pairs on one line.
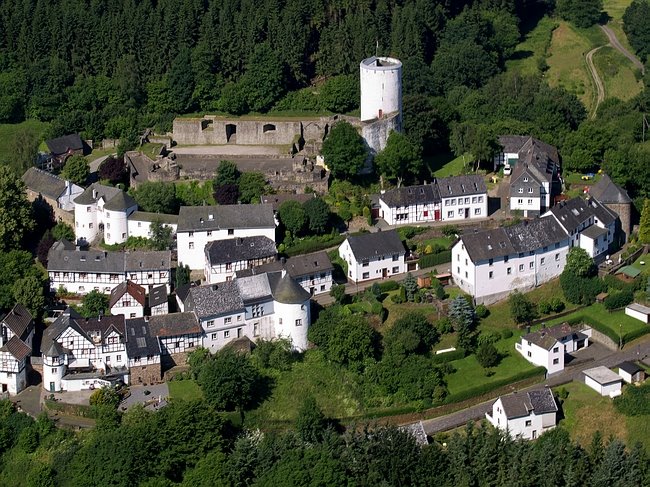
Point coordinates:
[[215, 287], [94, 194]]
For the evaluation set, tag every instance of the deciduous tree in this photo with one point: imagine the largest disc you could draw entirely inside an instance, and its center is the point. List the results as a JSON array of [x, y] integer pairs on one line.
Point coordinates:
[[252, 185], [318, 214], [94, 304], [582, 13], [522, 309], [15, 212], [292, 216], [156, 197], [400, 159], [161, 235], [344, 151], [644, 223], [76, 169]]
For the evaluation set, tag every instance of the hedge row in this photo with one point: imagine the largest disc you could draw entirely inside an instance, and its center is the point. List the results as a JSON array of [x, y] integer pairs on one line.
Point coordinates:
[[387, 286], [633, 335], [595, 324], [490, 386], [443, 358], [430, 260], [71, 409], [314, 244]]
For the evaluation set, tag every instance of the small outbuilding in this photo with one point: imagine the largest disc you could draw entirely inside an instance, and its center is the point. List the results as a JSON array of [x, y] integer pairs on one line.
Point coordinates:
[[638, 311], [631, 372], [604, 381]]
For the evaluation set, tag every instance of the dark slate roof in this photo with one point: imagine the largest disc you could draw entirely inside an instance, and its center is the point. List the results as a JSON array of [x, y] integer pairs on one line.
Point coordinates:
[[546, 337], [19, 320], [127, 287], [121, 201], [182, 292], [56, 328], [43, 182], [198, 218], [512, 143], [158, 296], [103, 324], [239, 249], [137, 260], [593, 232], [139, 340], [371, 245], [525, 237], [61, 259], [215, 299], [307, 264], [174, 324], [521, 404], [55, 349], [608, 192], [573, 212], [523, 145], [257, 288], [275, 200], [411, 195], [17, 348], [629, 367], [61, 145], [517, 182], [461, 185], [145, 216], [288, 291]]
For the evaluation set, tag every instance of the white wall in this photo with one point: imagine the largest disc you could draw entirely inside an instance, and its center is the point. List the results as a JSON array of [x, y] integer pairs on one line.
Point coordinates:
[[637, 315], [321, 282], [408, 214], [295, 320], [194, 254], [518, 427], [373, 269], [139, 228], [526, 203], [613, 389], [456, 208], [134, 311], [381, 89], [542, 357], [75, 283]]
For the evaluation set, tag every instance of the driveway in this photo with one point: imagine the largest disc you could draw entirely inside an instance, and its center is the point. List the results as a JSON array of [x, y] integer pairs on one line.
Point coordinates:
[[158, 392]]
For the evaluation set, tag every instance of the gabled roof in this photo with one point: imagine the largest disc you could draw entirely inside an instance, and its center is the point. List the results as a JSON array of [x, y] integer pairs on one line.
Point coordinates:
[[629, 367], [19, 320], [120, 202], [153, 260], [105, 325], [524, 179], [200, 218], [145, 216], [43, 182], [64, 321], [371, 245], [55, 350], [214, 299], [127, 287], [522, 404], [61, 258], [174, 324], [140, 342], [183, 291], [239, 249], [542, 339], [593, 232], [61, 145], [608, 192], [158, 296], [411, 195], [17, 348], [572, 213], [461, 185], [307, 264]]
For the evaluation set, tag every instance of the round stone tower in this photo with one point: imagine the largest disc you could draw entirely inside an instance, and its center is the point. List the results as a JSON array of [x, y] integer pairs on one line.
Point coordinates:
[[54, 367], [381, 88], [292, 310]]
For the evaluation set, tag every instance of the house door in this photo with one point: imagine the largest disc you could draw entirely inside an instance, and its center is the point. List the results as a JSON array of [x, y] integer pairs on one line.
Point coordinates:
[[4, 387], [534, 434], [437, 215], [52, 387], [384, 273], [466, 212]]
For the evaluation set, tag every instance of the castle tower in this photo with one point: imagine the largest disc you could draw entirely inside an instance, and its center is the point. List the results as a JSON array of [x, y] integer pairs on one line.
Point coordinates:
[[292, 308], [616, 199], [381, 88], [54, 367]]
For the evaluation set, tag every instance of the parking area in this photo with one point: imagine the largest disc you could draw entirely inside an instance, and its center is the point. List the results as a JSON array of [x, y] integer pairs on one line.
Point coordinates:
[[154, 395]]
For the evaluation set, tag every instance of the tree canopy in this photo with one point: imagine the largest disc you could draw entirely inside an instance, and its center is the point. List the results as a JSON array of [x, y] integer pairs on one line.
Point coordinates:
[[76, 169], [400, 159], [15, 214], [344, 151]]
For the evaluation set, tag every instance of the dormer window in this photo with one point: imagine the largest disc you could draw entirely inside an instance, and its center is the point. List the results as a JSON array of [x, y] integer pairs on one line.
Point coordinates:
[[525, 180], [530, 190], [520, 190]]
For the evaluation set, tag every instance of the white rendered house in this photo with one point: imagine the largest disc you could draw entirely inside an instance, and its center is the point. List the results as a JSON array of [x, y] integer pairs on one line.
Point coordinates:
[[16, 335], [547, 347], [139, 223], [199, 225], [639, 312], [490, 264], [268, 305], [525, 415], [445, 199], [102, 210], [374, 255], [223, 258]]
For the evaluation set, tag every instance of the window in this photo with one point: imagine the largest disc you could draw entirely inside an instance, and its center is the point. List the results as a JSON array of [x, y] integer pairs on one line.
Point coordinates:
[[366, 275], [505, 259], [509, 271], [426, 213], [214, 336], [132, 315], [118, 358], [191, 245], [229, 266], [395, 257], [395, 270], [557, 245], [54, 371], [458, 257], [521, 267], [530, 202], [467, 200], [209, 233], [90, 225], [491, 261], [556, 349], [210, 323], [465, 260], [542, 260], [474, 199], [139, 224], [530, 354], [520, 201], [529, 422], [491, 275], [298, 322], [226, 334], [279, 321], [477, 211], [520, 190], [108, 358], [227, 320], [257, 310], [531, 265], [231, 231], [365, 263], [466, 276], [322, 288], [453, 202], [458, 270], [450, 214], [556, 361], [238, 317], [256, 329], [88, 209], [480, 199], [557, 257], [525, 180], [530, 190], [149, 276], [191, 234]]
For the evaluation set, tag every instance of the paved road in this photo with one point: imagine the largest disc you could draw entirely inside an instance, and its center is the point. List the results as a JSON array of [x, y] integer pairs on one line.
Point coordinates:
[[600, 88], [94, 164], [606, 357], [615, 43]]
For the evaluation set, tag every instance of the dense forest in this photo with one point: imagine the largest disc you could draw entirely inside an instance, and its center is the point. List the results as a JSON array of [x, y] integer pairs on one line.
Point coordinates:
[[191, 444]]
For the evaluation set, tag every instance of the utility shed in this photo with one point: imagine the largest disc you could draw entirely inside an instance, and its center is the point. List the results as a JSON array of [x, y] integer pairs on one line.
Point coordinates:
[[604, 381], [638, 311], [631, 372]]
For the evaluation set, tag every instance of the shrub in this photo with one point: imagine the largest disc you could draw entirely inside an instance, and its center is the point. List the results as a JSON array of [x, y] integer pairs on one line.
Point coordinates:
[[431, 260], [449, 230], [487, 354], [482, 311], [557, 305], [619, 299], [388, 286], [443, 358], [635, 401], [376, 308], [505, 334], [444, 325]]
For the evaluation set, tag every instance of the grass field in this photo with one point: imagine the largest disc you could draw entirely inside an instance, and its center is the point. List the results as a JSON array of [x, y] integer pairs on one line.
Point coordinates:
[[586, 412], [615, 9], [9, 131], [533, 48], [184, 389], [444, 165], [617, 321], [618, 74]]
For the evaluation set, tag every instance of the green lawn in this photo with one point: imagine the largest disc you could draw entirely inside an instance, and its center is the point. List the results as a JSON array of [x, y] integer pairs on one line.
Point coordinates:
[[444, 165], [618, 74], [9, 131], [586, 411], [184, 389], [470, 374], [617, 321], [533, 48], [642, 258]]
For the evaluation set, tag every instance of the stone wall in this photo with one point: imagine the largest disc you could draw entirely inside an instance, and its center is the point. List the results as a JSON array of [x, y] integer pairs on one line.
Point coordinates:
[[603, 339], [60, 215], [376, 132], [145, 374]]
